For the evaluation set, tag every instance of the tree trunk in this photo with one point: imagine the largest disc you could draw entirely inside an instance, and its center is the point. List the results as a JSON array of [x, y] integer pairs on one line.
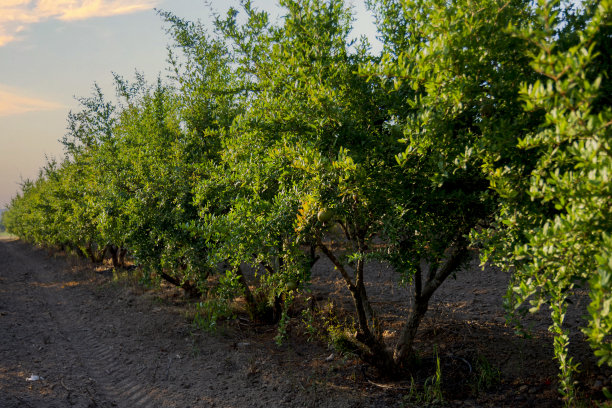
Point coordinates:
[[113, 250], [313, 257], [122, 255], [190, 289], [388, 361], [277, 310], [93, 253], [248, 295], [404, 353], [369, 333]]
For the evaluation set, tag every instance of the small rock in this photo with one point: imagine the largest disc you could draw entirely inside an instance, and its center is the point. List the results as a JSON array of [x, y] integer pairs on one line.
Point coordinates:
[[330, 357], [523, 388]]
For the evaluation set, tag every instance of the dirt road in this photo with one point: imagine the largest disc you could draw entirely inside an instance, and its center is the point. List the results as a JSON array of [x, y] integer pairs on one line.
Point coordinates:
[[70, 337]]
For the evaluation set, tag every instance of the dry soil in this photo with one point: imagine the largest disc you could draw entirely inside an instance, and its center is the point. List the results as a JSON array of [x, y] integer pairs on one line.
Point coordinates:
[[73, 335]]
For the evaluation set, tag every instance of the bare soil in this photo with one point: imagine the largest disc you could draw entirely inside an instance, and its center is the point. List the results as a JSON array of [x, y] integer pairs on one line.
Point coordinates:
[[73, 335]]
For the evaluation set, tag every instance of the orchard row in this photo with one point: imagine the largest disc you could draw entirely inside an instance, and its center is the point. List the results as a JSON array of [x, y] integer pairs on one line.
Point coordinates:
[[481, 123]]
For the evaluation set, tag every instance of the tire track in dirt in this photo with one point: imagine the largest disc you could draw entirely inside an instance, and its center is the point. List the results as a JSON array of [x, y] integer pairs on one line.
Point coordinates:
[[35, 346], [109, 381], [112, 347], [110, 374]]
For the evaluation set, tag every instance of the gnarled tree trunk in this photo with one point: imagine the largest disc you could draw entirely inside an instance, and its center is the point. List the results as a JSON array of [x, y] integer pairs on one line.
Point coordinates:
[[370, 343]]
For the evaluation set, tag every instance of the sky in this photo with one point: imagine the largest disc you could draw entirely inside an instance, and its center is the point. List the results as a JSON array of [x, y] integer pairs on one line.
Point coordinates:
[[52, 51]]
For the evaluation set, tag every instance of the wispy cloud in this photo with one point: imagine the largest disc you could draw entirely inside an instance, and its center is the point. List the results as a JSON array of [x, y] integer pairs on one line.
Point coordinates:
[[14, 102], [16, 15]]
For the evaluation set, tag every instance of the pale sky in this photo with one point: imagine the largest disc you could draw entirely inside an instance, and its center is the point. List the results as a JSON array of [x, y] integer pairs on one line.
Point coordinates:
[[53, 50]]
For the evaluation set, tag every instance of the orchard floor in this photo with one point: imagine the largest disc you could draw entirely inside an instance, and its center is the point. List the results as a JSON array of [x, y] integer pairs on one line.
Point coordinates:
[[72, 335]]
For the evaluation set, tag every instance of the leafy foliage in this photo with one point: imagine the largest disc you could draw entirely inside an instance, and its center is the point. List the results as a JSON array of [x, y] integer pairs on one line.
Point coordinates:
[[273, 144], [555, 224]]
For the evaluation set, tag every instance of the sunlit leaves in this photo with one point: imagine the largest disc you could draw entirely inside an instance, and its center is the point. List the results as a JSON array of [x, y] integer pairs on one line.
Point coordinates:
[[558, 221]]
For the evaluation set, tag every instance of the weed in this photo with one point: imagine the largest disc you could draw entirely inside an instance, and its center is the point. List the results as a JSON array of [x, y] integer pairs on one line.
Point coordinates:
[[209, 311], [435, 384], [125, 275], [431, 393], [283, 323], [584, 398], [325, 325], [309, 321], [252, 366], [340, 340], [158, 300], [195, 348], [486, 375]]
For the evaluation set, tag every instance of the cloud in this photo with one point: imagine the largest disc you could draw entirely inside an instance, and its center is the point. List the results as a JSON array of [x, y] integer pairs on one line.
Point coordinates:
[[5, 39], [16, 15], [12, 102], [83, 9]]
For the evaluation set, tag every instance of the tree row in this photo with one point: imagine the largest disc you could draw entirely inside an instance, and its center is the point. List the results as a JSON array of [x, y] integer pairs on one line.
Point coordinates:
[[480, 124]]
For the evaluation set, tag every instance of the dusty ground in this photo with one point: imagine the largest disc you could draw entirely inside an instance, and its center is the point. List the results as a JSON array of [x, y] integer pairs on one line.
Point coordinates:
[[95, 341]]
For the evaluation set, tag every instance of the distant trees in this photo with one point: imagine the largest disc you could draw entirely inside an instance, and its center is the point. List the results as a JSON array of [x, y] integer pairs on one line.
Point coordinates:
[[2, 227], [482, 122]]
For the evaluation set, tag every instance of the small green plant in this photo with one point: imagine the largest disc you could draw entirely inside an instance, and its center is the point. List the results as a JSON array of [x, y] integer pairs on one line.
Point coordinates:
[[195, 349], [124, 275], [283, 323], [209, 311], [342, 342], [309, 321], [433, 385], [325, 326], [217, 304], [431, 393], [337, 334], [486, 375]]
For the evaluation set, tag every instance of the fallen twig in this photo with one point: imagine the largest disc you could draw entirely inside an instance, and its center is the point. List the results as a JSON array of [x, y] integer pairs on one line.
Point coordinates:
[[64, 385]]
